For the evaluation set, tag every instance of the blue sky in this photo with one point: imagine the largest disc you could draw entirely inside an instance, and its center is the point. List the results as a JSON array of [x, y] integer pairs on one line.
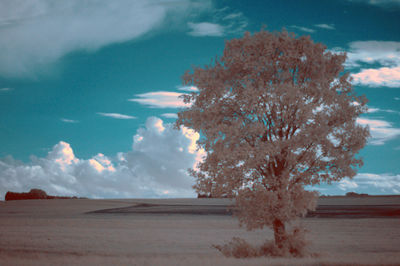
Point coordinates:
[[88, 90]]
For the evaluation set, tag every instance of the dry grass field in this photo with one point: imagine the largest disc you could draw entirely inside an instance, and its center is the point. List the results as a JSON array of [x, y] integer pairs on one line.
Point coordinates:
[[167, 232]]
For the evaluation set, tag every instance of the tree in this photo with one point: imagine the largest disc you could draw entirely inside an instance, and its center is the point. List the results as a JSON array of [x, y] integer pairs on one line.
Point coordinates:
[[276, 113]]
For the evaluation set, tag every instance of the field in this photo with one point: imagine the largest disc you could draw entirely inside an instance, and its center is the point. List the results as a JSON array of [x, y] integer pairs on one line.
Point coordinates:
[[344, 231]]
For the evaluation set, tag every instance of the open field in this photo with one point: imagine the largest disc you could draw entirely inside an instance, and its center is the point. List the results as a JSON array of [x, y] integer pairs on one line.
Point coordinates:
[[182, 232]]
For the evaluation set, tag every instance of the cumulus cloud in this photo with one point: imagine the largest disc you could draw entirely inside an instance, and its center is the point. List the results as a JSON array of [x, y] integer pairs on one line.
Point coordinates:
[[384, 76], [155, 167], [117, 116], [160, 99], [36, 33], [325, 26], [381, 130]]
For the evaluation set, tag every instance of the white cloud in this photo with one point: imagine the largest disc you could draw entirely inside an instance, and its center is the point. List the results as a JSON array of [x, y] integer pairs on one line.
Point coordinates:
[[376, 110], [205, 29], [379, 183], [34, 34], [6, 89], [379, 62], [381, 131], [325, 26], [303, 29], [346, 184], [160, 99], [170, 115], [189, 88], [117, 116], [384, 76], [384, 53], [69, 120], [155, 167], [224, 22]]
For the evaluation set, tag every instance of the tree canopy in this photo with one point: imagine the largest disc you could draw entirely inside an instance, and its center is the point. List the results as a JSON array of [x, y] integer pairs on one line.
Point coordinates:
[[276, 113]]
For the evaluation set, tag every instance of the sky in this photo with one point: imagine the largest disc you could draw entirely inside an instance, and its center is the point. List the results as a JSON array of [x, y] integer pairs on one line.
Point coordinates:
[[89, 89]]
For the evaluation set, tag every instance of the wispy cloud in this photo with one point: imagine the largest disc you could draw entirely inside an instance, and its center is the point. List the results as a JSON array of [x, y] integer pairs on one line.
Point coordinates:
[[380, 3], [170, 115], [305, 29], [69, 120], [205, 29], [376, 110], [155, 167], [5, 89], [188, 88], [160, 99], [325, 26], [85, 25], [117, 116], [224, 22], [381, 130]]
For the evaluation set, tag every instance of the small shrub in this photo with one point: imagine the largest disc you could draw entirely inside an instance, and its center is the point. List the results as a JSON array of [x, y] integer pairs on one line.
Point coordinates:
[[238, 248], [295, 246]]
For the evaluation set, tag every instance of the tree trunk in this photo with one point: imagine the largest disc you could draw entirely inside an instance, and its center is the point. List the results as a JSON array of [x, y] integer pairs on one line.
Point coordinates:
[[279, 233]]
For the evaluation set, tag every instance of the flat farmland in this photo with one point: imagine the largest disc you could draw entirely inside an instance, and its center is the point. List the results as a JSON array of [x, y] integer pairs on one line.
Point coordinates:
[[343, 231]]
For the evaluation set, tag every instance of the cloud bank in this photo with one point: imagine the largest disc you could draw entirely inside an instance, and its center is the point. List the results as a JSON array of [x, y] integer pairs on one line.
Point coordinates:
[[36, 33], [381, 183], [379, 62], [155, 167]]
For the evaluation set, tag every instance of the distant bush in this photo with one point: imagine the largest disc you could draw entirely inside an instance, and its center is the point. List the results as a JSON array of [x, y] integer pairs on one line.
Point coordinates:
[[354, 194]]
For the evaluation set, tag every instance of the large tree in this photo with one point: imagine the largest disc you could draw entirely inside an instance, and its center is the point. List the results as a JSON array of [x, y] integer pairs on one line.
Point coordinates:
[[276, 113]]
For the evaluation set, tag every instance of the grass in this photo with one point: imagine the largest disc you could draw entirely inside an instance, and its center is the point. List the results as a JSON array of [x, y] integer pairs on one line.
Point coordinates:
[[58, 232]]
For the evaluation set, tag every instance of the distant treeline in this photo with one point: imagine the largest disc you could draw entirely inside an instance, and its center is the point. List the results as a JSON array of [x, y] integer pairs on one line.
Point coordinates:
[[32, 194], [209, 196], [348, 194]]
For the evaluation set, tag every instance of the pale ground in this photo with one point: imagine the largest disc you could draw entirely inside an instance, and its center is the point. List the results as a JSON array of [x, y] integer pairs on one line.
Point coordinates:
[[58, 232]]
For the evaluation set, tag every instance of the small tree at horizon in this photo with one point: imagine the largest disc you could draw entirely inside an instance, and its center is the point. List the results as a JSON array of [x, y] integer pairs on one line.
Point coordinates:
[[276, 114]]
